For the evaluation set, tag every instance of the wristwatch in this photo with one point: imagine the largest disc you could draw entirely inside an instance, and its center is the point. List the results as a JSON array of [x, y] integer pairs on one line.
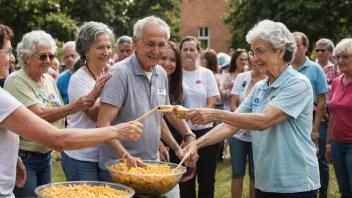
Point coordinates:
[[189, 134]]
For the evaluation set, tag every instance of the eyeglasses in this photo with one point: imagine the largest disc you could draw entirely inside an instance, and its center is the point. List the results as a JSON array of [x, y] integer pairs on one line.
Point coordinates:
[[151, 45], [344, 57], [320, 50], [8, 52], [43, 57], [258, 52]]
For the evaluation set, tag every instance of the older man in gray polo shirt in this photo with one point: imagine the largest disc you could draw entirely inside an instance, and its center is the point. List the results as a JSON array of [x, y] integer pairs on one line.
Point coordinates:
[[138, 85]]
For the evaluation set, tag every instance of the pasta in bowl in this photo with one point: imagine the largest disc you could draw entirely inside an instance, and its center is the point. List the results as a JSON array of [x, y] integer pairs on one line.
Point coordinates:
[[155, 179], [84, 189]]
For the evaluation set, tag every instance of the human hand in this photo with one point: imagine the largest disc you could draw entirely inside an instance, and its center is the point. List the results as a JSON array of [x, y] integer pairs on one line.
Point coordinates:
[[84, 102], [164, 152], [201, 116], [315, 138], [134, 162], [328, 153], [229, 85], [99, 85], [193, 158], [129, 130], [179, 152], [21, 175]]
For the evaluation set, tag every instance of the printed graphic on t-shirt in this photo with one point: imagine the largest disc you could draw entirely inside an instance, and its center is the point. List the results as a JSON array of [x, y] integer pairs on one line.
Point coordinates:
[[198, 82], [49, 102]]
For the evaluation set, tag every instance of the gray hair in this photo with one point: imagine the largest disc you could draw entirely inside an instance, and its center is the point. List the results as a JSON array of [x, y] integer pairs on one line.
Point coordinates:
[[276, 34], [124, 39], [344, 46], [139, 26], [329, 44], [87, 35], [30, 43], [69, 44]]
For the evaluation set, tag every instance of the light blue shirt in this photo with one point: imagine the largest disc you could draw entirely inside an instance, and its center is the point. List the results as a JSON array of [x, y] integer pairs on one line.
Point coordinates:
[[316, 76], [284, 155], [62, 85]]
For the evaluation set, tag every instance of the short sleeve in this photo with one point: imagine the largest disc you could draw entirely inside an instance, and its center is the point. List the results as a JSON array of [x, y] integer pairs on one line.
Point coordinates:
[[78, 87], [20, 89], [321, 85], [212, 87], [115, 89], [8, 104], [293, 97]]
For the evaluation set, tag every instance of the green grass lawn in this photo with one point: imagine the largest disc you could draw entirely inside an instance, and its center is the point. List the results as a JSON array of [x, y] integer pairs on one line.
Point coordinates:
[[223, 180]]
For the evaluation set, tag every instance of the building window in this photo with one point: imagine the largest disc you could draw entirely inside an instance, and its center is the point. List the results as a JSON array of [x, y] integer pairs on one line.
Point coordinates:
[[204, 37]]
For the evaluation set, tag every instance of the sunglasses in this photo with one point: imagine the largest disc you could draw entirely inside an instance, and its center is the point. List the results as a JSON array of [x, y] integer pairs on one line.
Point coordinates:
[[320, 50], [43, 57]]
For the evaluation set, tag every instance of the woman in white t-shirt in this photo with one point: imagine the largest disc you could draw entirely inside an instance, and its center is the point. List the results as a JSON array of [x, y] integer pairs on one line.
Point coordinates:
[[93, 45], [241, 143], [237, 65], [202, 90], [28, 125]]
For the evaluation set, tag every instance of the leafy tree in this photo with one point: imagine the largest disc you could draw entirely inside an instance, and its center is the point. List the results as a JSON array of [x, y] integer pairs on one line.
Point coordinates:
[[317, 19], [110, 12], [26, 15], [168, 10], [62, 18]]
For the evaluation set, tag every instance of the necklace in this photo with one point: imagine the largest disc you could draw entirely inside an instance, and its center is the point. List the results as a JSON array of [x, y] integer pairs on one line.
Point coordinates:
[[90, 71]]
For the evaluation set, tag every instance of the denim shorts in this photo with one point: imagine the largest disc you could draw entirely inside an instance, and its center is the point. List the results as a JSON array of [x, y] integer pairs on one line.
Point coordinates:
[[240, 150]]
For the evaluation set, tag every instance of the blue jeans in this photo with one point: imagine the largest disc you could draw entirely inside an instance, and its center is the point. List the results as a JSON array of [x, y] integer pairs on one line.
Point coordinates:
[[239, 151], [77, 170], [38, 168], [341, 154], [323, 163], [104, 175]]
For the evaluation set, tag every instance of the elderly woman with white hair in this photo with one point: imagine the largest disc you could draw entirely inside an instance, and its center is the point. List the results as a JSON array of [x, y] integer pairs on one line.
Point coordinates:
[[278, 111], [339, 140], [33, 87]]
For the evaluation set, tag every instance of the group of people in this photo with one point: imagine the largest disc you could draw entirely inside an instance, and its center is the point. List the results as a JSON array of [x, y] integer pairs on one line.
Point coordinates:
[[274, 113]]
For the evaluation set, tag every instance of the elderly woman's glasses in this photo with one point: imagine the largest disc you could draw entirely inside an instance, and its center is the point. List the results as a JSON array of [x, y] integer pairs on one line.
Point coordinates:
[[43, 57], [151, 45], [344, 57], [258, 52], [8, 52]]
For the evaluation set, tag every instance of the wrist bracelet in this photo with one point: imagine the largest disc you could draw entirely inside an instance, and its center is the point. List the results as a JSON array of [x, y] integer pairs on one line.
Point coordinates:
[[328, 145], [189, 134]]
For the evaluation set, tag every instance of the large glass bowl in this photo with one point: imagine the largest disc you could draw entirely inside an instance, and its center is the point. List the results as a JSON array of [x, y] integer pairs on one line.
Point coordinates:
[[146, 184], [90, 183]]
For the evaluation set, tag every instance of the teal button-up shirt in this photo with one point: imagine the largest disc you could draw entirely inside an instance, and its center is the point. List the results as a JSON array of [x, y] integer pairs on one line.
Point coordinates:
[[284, 155]]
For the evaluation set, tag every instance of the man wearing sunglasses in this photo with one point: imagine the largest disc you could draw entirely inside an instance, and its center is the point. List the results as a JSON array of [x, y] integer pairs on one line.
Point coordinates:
[[323, 49], [316, 76]]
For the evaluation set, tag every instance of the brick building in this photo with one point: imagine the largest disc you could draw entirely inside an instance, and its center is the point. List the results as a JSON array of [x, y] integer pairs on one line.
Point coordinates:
[[202, 19]]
